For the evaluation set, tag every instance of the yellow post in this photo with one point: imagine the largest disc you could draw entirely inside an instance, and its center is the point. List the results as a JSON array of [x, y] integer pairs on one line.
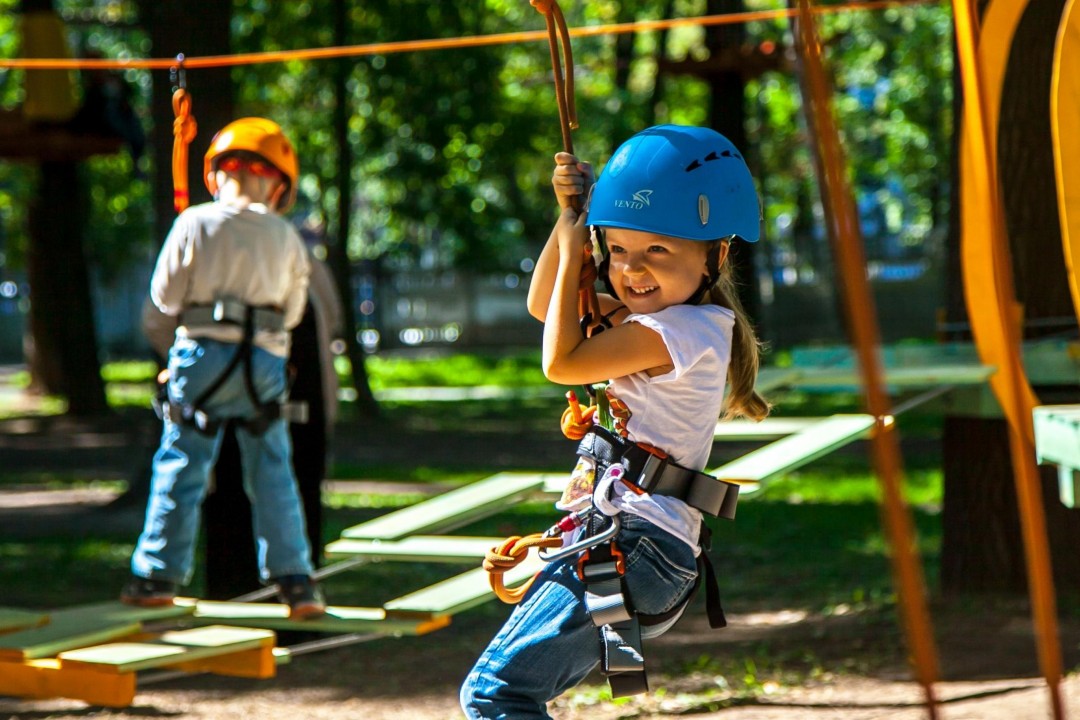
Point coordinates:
[[859, 308], [992, 309]]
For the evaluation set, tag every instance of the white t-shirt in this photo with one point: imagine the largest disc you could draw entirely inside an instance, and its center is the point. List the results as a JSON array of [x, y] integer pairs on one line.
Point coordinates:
[[216, 251], [677, 412]]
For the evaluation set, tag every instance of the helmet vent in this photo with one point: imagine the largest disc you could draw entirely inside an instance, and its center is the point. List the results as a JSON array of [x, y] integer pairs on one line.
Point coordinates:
[[712, 156]]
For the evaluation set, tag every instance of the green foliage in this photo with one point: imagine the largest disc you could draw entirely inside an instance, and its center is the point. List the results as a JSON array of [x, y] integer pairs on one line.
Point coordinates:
[[462, 370]]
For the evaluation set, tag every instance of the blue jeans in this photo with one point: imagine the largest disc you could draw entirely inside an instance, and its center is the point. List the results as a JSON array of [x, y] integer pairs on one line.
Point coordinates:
[[549, 644], [186, 457]]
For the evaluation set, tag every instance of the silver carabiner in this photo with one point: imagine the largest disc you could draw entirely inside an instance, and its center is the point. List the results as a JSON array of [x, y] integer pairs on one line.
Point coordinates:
[[584, 544]]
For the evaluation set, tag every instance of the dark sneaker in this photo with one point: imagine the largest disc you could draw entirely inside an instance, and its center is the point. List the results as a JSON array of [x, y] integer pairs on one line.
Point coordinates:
[[302, 595], [147, 592]]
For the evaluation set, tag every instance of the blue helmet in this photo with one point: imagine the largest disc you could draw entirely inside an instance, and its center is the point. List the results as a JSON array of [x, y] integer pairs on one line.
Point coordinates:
[[685, 182]]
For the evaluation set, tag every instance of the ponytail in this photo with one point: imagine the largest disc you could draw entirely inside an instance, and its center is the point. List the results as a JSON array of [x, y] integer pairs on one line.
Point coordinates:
[[742, 400]]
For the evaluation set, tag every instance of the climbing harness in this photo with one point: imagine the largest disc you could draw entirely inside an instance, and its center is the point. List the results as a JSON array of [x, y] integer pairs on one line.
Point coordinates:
[[601, 564], [253, 320]]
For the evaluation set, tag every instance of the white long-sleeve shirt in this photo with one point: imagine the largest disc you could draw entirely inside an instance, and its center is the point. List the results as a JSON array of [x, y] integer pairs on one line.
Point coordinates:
[[216, 251]]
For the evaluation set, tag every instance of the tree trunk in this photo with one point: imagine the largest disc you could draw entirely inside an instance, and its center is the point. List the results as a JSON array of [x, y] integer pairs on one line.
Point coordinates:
[[339, 247], [63, 355], [192, 27], [728, 117], [982, 549]]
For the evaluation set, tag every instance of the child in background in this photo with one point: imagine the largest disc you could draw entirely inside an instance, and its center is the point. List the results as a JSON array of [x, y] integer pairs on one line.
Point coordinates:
[[667, 207], [235, 275]]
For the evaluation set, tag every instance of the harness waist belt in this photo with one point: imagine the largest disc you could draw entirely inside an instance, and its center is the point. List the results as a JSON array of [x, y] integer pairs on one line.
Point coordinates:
[[660, 476], [234, 312]]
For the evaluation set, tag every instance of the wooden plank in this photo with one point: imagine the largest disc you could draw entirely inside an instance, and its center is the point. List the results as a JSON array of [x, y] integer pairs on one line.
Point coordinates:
[[80, 626], [909, 378], [796, 450], [258, 663], [450, 510], [337, 619], [15, 619], [770, 427], [46, 679], [420, 548], [460, 592], [1057, 442], [169, 649]]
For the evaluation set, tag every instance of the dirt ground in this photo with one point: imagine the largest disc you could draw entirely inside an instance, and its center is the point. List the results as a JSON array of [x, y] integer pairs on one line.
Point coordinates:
[[988, 660], [990, 676]]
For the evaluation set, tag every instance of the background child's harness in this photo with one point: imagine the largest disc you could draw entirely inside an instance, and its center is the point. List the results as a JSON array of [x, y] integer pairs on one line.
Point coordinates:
[[252, 319]]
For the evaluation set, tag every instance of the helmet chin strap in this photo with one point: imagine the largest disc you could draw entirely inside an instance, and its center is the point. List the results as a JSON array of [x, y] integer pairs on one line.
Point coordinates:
[[712, 263]]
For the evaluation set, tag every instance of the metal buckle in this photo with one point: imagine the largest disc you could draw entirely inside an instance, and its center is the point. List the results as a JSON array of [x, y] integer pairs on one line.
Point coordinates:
[[228, 310], [651, 472]]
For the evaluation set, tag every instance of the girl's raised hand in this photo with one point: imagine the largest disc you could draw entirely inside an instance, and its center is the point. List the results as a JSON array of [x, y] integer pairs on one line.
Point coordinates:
[[572, 232], [571, 179]]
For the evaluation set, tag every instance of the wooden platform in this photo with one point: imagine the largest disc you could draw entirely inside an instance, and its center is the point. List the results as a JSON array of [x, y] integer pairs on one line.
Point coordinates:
[[105, 674], [76, 627], [37, 143]]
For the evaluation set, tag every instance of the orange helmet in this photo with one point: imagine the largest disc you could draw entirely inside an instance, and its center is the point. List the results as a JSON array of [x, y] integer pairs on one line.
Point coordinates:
[[262, 137]]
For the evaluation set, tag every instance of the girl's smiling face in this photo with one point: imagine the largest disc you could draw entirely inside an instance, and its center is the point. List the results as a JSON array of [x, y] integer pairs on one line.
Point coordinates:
[[651, 272]]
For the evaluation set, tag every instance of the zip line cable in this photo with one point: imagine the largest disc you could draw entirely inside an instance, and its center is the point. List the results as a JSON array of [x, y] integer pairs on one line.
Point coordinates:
[[389, 48]]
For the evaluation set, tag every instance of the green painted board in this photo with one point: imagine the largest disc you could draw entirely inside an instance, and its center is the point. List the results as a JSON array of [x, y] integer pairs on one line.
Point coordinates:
[[796, 450], [461, 592], [1057, 442], [80, 626], [418, 548], [770, 427], [16, 619], [450, 510], [170, 648], [1057, 434], [276, 617], [897, 377]]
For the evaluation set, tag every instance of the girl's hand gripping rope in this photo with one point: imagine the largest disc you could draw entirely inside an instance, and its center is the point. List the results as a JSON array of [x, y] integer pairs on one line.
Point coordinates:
[[572, 181]]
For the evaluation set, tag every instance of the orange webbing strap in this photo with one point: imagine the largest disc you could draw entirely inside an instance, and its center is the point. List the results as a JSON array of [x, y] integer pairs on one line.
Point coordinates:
[[184, 130], [507, 557], [865, 337], [588, 304]]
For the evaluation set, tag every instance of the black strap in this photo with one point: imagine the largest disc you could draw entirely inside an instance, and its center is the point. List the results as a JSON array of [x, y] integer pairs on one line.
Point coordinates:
[[266, 412], [660, 476], [713, 608]]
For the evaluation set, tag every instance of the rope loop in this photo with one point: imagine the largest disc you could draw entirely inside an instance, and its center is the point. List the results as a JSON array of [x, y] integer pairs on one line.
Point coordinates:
[[564, 82], [184, 130], [508, 556]]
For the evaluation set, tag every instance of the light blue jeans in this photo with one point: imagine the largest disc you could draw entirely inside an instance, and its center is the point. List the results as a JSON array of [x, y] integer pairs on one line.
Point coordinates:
[[549, 644], [186, 457]]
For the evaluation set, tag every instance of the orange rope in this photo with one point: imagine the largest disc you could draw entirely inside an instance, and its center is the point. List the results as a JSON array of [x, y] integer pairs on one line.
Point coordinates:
[[588, 303], [576, 420], [388, 48], [184, 130], [507, 557]]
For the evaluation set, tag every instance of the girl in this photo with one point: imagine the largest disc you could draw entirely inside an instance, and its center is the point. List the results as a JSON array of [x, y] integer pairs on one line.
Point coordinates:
[[667, 207]]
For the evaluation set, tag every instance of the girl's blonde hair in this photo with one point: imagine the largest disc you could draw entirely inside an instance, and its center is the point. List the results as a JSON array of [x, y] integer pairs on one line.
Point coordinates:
[[742, 400]]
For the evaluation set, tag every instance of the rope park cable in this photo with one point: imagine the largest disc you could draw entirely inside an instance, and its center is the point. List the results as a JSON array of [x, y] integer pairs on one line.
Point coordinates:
[[387, 48]]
